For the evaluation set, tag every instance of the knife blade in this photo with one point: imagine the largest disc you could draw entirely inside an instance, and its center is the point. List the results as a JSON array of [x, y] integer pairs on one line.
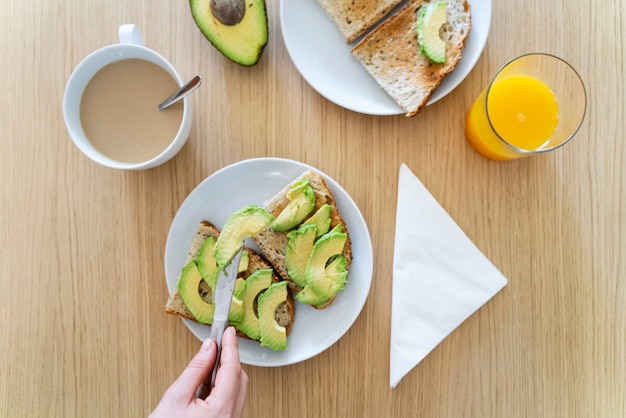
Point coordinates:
[[223, 295]]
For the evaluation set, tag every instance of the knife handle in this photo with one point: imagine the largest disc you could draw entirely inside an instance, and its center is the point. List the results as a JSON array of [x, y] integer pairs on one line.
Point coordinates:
[[217, 330]]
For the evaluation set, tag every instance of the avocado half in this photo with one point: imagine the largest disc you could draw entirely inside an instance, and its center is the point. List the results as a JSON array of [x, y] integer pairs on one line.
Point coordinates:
[[243, 42]]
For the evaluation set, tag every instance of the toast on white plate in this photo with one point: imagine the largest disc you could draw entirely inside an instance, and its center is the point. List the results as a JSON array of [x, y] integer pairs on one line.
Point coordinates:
[[285, 312], [391, 53], [274, 244]]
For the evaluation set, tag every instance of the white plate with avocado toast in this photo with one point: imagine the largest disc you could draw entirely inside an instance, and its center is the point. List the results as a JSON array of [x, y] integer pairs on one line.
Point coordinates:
[[254, 182], [322, 56]]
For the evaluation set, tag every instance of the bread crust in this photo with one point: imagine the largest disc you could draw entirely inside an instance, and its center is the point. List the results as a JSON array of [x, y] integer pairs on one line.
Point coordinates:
[[175, 305], [390, 54], [273, 244]]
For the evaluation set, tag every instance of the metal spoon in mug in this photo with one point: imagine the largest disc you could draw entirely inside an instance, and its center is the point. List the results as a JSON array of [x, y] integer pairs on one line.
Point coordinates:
[[179, 94]]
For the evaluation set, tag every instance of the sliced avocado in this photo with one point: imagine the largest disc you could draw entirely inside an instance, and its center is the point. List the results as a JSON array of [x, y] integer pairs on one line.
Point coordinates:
[[337, 228], [242, 42], [301, 204], [336, 271], [208, 266], [239, 284], [430, 19], [244, 223], [321, 219], [273, 335], [236, 307], [190, 278], [235, 314], [298, 250], [255, 284], [206, 262], [188, 283], [329, 245], [243, 263], [309, 297]]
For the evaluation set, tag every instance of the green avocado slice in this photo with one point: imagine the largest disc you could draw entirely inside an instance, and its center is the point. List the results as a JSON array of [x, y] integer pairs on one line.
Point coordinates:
[[242, 224], [299, 247], [337, 228], [273, 335], [336, 271], [328, 246], [430, 19], [252, 286], [301, 203], [206, 262], [321, 219], [208, 265], [244, 262], [188, 283], [243, 42], [309, 297]]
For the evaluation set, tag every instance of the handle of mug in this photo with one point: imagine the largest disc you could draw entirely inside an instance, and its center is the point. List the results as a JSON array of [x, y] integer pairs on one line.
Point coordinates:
[[129, 34]]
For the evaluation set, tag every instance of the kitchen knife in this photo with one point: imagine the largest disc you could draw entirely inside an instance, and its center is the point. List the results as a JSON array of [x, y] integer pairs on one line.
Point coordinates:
[[222, 298]]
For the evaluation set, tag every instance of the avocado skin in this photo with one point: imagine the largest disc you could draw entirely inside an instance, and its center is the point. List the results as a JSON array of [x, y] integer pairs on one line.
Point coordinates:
[[242, 43]]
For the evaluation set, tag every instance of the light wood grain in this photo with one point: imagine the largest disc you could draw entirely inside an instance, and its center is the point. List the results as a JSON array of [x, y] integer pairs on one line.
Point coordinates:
[[83, 330]]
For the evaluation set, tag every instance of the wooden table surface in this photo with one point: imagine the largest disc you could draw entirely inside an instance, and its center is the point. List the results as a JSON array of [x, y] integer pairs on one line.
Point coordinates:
[[83, 283]]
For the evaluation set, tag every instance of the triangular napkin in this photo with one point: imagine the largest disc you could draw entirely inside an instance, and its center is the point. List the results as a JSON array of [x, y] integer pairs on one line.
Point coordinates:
[[439, 277]]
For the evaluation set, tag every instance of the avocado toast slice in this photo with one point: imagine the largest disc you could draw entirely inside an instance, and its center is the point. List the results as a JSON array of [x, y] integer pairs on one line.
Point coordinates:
[[285, 312], [275, 244], [393, 56]]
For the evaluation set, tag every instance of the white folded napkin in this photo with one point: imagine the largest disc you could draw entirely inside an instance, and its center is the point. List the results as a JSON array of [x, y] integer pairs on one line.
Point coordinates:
[[439, 277]]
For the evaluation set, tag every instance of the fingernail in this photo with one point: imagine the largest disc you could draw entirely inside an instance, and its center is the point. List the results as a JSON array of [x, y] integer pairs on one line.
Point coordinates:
[[233, 332], [206, 345]]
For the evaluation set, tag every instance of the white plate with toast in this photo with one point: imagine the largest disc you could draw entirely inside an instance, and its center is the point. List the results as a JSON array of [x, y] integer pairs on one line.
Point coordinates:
[[253, 182], [322, 56]]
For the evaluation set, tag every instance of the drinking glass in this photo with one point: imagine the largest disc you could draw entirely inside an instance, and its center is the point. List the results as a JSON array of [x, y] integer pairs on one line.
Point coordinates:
[[534, 104]]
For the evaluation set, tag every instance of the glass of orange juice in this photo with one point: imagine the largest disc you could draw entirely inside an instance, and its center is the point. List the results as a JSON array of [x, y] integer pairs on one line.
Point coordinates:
[[535, 103]]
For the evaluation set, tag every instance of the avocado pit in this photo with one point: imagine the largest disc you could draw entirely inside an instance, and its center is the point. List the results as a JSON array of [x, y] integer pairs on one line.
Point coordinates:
[[228, 12]]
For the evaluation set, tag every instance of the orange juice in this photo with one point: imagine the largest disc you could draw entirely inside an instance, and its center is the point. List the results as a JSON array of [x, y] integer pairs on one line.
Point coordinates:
[[523, 113]]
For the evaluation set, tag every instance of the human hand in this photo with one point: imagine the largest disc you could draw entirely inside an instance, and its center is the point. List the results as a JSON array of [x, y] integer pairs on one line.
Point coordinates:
[[227, 397]]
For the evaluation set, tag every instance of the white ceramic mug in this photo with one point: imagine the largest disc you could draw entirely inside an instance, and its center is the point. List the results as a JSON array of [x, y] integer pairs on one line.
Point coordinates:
[[130, 46]]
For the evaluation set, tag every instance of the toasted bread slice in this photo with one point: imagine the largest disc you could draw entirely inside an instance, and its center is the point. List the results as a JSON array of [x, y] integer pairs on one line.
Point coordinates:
[[285, 313], [354, 18], [391, 54], [273, 244]]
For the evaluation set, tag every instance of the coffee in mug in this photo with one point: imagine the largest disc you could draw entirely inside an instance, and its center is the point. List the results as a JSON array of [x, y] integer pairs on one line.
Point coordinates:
[[111, 100]]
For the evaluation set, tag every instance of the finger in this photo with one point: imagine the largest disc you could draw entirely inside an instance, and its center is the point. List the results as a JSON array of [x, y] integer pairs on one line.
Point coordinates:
[[228, 379], [184, 388]]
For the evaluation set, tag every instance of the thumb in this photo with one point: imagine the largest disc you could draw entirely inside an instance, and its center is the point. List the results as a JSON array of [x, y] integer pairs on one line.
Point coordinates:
[[184, 388]]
